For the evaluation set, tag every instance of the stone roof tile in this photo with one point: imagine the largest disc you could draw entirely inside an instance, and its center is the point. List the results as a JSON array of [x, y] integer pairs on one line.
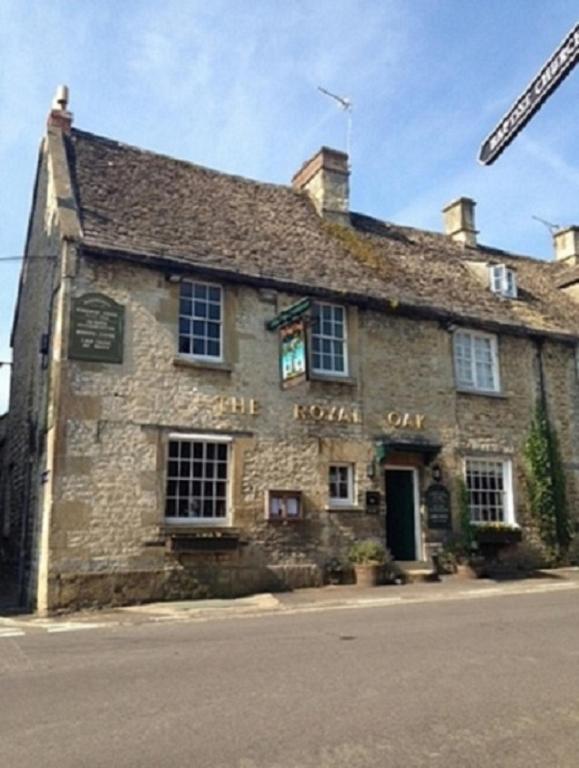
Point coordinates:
[[147, 204]]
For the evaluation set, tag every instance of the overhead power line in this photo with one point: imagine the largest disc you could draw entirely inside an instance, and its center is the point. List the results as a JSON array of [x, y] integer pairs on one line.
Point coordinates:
[[21, 258]]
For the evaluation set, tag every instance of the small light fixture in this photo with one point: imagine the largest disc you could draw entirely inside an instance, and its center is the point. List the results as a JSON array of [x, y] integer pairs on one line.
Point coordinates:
[[371, 470], [436, 473], [173, 278]]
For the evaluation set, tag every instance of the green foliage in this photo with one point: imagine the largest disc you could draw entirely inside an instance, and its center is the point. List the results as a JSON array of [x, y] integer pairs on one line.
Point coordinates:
[[368, 552], [466, 528], [573, 553], [546, 479]]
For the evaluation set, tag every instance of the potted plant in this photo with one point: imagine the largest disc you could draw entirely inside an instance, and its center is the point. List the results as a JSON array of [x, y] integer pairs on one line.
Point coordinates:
[[334, 570], [367, 556]]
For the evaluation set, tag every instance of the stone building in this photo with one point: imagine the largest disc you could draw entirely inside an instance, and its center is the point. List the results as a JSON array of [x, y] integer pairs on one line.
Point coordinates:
[[154, 450]]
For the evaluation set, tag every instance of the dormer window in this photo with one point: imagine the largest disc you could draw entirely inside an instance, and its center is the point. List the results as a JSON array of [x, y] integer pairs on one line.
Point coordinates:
[[503, 281]]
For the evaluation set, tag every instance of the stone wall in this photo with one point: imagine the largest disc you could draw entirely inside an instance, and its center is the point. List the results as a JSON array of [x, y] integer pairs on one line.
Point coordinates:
[[26, 420], [108, 542]]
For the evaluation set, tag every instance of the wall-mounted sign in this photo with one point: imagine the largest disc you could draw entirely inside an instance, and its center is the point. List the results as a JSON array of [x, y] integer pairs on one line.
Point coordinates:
[[542, 86], [335, 413], [400, 420], [437, 499], [372, 502], [289, 314], [96, 329], [293, 353]]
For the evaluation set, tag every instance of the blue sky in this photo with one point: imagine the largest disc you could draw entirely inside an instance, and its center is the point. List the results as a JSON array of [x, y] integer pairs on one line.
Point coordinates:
[[232, 84]]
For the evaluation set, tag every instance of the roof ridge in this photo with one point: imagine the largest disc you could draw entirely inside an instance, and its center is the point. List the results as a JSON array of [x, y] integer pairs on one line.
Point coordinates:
[[459, 248], [114, 143]]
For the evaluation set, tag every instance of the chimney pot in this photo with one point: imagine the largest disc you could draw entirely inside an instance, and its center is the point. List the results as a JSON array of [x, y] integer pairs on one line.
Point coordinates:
[[458, 217], [566, 243], [325, 178], [59, 116]]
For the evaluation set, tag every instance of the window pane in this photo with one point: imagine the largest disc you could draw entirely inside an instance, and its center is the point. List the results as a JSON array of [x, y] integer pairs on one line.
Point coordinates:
[[200, 309], [186, 307], [214, 294], [200, 291], [214, 312]]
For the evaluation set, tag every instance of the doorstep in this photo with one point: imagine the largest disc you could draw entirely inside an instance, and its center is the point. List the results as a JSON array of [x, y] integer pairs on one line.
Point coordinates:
[[414, 571]]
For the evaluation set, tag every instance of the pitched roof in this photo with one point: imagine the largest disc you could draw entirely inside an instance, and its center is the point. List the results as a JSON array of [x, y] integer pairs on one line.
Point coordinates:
[[137, 202]]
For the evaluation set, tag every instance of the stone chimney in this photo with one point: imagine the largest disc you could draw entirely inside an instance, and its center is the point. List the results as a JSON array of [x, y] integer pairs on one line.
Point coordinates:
[[325, 178], [59, 116], [458, 218], [566, 242]]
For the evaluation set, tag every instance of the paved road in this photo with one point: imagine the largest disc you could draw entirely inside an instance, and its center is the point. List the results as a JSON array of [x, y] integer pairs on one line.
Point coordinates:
[[468, 683]]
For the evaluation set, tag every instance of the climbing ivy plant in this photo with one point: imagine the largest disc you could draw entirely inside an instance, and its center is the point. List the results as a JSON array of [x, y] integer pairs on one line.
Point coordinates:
[[547, 483], [466, 528]]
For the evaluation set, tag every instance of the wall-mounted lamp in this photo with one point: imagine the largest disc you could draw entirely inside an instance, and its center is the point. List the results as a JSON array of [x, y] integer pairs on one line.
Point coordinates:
[[371, 470], [436, 473], [172, 278]]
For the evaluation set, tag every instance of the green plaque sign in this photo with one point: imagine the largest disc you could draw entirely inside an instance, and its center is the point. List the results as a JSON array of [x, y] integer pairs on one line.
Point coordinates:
[[96, 329]]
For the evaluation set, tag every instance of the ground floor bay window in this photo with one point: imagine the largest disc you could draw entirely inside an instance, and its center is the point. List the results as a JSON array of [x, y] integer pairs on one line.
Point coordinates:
[[198, 470], [489, 485]]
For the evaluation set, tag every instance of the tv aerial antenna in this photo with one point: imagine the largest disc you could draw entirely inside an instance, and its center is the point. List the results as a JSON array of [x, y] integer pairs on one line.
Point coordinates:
[[346, 106], [550, 226]]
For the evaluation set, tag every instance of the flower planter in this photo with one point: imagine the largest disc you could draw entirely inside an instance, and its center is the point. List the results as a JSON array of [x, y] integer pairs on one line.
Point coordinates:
[[498, 535], [367, 575]]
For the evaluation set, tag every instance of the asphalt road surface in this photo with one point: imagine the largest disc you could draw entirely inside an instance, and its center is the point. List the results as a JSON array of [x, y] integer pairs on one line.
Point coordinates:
[[491, 682]]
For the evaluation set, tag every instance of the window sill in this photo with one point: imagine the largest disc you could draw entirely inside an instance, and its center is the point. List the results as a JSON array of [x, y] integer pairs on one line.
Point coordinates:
[[329, 378], [343, 508], [284, 520], [188, 528], [180, 361], [206, 540], [481, 393]]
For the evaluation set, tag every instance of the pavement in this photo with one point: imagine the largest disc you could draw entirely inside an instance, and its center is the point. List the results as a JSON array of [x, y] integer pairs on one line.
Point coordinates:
[[329, 598]]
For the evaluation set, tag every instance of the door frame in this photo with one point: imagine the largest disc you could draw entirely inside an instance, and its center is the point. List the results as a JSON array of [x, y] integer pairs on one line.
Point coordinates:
[[418, 551]]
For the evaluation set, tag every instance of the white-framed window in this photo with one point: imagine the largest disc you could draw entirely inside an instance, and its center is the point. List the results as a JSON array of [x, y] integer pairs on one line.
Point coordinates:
[[329, 340], [197, 488], [503, 280], [201, 320], [476, 361], [341, 485], [489, 484]]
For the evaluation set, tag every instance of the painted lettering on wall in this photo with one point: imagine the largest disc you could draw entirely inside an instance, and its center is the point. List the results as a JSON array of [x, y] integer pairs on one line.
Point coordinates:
[[400, 420], [336, 413]]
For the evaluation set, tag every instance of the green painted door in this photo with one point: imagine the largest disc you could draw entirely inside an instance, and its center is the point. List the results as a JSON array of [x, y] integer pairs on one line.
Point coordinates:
[[400, 524]]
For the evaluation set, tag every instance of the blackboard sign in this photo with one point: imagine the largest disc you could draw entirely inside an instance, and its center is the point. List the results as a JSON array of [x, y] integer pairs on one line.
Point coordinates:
[[437, 500], [96, 329]]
